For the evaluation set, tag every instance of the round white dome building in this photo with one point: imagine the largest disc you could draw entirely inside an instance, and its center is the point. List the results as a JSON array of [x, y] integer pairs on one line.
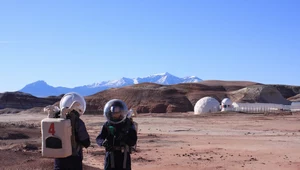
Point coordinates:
[[226, 104], [206, 105]]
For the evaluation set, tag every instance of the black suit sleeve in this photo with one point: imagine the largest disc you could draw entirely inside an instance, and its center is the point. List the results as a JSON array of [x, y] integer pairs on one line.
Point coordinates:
[[102, 136], [83, 136], [131, 136]]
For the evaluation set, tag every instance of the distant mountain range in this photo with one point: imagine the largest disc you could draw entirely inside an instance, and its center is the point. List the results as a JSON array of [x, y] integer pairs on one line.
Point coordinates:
[[42, 89]]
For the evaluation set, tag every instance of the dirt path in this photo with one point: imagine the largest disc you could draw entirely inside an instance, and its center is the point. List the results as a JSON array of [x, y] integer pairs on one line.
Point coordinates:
[[173, 142]]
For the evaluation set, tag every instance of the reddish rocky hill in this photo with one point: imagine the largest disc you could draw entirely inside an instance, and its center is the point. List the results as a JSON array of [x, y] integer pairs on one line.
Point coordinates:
[[155, 98], [19, 100], [258, 94], [287, 91]]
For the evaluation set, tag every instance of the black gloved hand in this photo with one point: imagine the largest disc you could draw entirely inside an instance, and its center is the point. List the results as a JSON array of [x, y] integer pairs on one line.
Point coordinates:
[[57, 114], [107, 146]]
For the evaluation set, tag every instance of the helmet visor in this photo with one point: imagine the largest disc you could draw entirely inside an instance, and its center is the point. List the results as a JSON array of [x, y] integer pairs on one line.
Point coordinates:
[[115, 111]]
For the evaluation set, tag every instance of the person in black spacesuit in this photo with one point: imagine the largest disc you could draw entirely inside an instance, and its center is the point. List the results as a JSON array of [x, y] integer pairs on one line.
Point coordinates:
[[118, 135]]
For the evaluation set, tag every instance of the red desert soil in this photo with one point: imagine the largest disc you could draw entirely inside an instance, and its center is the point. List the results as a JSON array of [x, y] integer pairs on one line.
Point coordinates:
[[176, 141]]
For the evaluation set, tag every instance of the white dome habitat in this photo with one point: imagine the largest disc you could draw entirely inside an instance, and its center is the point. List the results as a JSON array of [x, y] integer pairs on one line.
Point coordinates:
[[226, 105], [226, 101], [206, 105]]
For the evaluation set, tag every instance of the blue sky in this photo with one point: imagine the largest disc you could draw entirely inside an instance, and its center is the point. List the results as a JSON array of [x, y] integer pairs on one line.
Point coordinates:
[[72, 43]]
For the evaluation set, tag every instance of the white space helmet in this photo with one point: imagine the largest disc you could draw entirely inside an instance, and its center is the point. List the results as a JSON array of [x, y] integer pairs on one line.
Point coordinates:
[[73, 100], [115, 111]]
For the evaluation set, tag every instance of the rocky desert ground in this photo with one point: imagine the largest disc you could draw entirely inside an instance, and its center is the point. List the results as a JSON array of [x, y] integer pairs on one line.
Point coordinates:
[[171, 141]]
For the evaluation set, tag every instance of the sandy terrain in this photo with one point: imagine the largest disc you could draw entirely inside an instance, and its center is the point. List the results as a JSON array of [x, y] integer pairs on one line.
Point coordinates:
[[171, 142]]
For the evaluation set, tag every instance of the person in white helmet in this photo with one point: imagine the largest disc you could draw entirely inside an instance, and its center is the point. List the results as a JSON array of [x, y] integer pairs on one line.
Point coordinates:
[[118, 135], [74, 104]]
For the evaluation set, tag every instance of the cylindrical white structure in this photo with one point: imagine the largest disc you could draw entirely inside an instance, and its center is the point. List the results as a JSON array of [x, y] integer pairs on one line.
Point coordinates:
[[295, 106]]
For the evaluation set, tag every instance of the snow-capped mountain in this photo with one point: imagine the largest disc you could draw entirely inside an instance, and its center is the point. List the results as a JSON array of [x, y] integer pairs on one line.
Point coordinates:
[[163, 78], [42, 89]]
